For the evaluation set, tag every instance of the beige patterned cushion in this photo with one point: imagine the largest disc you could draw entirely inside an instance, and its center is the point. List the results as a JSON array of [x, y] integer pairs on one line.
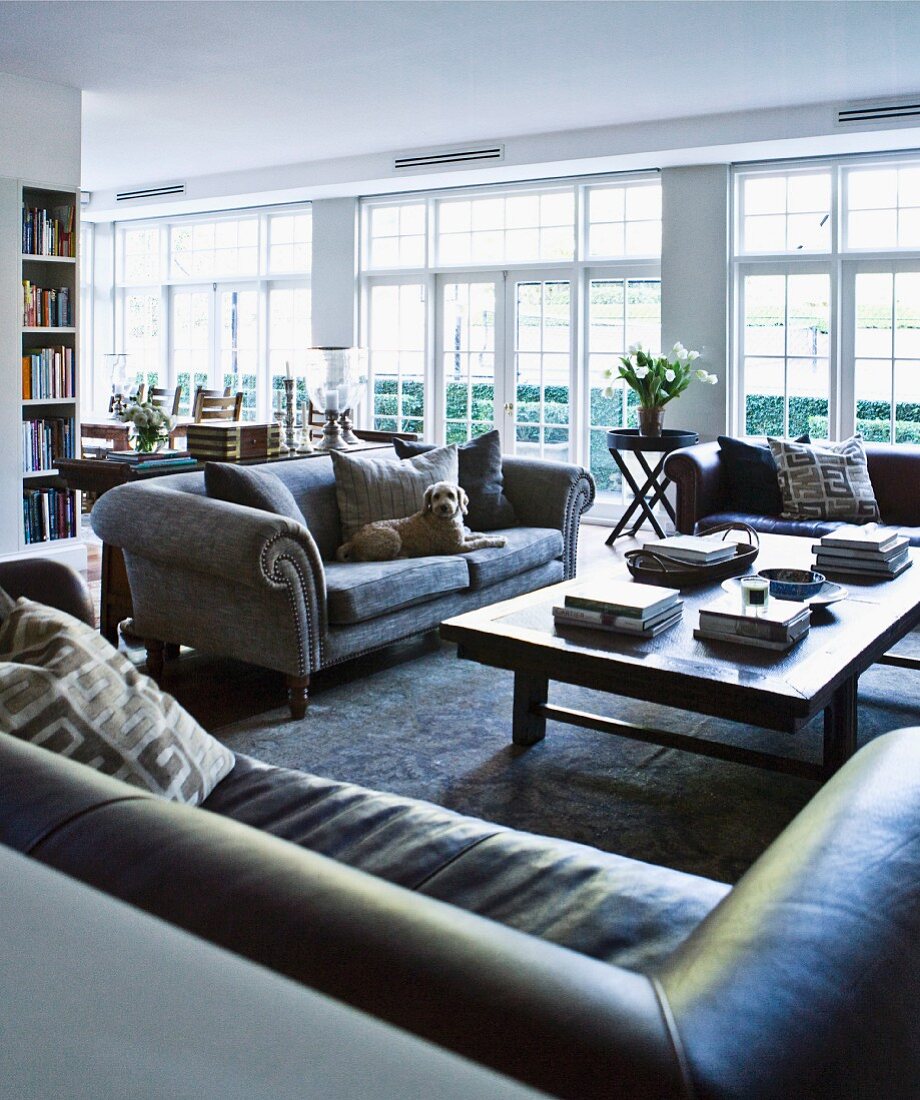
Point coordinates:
[[63, 686], [825, 481], [368, 489]]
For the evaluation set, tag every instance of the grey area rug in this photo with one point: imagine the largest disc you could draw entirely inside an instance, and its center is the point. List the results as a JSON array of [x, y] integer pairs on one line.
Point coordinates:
[[438, 728]]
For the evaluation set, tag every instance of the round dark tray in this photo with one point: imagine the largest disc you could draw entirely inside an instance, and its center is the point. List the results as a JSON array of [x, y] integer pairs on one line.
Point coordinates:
[[652, 568]]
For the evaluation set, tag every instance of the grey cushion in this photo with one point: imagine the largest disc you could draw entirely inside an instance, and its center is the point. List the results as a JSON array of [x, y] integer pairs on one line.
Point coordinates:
[[480, 473], [357, 591], [368, 488], [826, 481], [64, 687], [526, 548], [252, 488]]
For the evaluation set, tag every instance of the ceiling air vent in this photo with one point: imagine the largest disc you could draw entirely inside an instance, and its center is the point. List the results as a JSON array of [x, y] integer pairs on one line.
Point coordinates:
[[150, 192], [451, 157], [903, 111]]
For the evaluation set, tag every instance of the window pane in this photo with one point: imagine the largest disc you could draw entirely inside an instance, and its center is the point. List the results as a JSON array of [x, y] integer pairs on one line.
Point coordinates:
[[290, 238], [468, 359], [396, 357], [140, 255], [765, 315], [142, 335], [873, 315], [519, 228], [764, 389], [542, 336], [907, 398], [789, 213], [624, 220]]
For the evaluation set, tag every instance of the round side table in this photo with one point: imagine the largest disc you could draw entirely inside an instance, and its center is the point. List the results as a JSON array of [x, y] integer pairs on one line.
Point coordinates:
[[646, 496]]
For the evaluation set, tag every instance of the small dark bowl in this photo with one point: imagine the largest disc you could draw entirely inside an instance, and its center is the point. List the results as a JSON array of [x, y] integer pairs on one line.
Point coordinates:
[[793, 584]]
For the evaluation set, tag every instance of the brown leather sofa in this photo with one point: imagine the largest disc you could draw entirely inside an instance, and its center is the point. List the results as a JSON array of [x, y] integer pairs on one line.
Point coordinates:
[[581, 973], [702, 492]]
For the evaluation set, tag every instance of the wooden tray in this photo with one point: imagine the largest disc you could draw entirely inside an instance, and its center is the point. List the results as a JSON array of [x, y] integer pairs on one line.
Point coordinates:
[[652, 568]]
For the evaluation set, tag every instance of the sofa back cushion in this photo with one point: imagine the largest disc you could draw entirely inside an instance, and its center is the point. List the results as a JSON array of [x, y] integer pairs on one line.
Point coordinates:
[[750, 477], [64, 687], [370, 488], [826, 481], [251, 487], [479, 464]]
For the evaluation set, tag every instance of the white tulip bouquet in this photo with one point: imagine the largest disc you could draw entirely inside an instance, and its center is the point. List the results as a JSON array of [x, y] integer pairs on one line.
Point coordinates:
[[151, 424], [657, 379]]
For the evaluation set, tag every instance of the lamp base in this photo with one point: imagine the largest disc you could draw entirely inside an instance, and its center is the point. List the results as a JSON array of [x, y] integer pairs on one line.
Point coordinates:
[[332, 440]]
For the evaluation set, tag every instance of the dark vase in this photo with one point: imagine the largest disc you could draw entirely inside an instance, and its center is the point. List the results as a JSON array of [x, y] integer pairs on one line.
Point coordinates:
[[651, 421]]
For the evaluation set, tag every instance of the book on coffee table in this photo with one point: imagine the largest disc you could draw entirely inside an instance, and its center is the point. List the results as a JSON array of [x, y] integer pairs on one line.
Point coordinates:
[[879, 555], [867, 536], [619, 624], [628, 598], [695, 549], [778, 626]]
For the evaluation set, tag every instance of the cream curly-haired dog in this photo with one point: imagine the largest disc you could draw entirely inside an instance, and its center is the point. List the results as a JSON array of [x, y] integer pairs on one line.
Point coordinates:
[[436, 529]]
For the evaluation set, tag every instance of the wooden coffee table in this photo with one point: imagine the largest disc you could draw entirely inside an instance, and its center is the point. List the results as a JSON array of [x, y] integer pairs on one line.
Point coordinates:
[[754, 686]]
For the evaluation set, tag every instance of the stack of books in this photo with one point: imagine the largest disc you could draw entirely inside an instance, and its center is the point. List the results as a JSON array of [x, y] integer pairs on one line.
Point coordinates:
[[863, 552], [153, 460], [621, 607], [778, 626], [693, 549]]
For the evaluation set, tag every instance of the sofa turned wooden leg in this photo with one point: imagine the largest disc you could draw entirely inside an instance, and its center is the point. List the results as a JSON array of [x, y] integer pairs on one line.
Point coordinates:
[[297, 694], [154, 657]]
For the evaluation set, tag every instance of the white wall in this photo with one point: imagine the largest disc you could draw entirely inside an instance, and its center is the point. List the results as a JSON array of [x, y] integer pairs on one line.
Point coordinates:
[[334, 278], [39, 131], [695, 287]]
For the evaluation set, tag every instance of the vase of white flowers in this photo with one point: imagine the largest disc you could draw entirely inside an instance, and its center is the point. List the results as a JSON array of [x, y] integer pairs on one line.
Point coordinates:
[[657, 380], [151, 425]]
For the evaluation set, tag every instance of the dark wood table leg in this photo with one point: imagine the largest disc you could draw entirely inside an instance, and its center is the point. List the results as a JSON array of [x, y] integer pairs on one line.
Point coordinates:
[[530, 691], [115, 593], [154, 658], [661, 487], [297, 689], [638, 501], [840, 726]]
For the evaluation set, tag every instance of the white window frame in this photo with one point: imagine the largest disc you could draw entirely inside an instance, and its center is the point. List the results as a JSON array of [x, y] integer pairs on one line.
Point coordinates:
[[842, 263], [578, 271], [165, 284]]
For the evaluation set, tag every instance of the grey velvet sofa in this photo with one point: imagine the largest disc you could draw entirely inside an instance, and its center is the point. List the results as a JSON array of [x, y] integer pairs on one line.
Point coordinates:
[[259, 587]]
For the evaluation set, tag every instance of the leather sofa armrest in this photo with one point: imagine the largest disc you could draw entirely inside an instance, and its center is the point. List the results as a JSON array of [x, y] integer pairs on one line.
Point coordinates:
[[550, 494], [697, 474], [49, 582], [804, 980]]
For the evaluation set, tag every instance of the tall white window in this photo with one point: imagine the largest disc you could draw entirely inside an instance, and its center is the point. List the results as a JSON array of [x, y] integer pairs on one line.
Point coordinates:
[[827, 299], [500, 307], [218, 301]]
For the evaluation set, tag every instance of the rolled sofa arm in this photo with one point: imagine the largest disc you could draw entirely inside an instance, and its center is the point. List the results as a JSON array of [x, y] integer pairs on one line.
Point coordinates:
[[50, 582], [550, 494], [196, 564], [697, 473], [804, 981]]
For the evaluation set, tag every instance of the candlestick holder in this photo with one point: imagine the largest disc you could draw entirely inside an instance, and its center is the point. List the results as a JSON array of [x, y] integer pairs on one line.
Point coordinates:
[[288, 415], [347, 434], [332, 440], [305, 446]]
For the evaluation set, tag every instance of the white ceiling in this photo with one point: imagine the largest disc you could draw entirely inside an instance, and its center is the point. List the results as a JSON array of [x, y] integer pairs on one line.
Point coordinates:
[[176, 90]]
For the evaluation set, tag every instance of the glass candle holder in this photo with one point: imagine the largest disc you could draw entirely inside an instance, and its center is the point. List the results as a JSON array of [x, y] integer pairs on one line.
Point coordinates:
[[755, 595]]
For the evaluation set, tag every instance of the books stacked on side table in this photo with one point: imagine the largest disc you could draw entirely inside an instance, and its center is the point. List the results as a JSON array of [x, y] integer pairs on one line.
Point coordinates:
[[153, 460], [621, 607], [863, 552], [777, 626], [693, 549]]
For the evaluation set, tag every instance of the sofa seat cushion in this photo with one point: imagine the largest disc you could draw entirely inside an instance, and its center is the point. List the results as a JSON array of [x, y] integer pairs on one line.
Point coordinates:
[[357, 591], [525, 548], [804, 528], [606, 906]]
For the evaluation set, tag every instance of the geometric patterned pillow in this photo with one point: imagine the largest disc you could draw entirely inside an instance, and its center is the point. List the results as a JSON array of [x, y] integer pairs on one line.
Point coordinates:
[[825, 481], [64, 687]]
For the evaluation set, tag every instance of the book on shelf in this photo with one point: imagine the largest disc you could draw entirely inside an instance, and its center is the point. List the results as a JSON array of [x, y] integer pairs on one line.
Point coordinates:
[[868, 554], [48, 232], [48, 515], [695, 549], [43, 307], [862, 537], [624, 624], [48, 372], [45, 440], [637, 601]]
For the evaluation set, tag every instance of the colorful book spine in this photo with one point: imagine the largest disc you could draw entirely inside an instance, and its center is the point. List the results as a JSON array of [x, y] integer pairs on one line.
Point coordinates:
[[48, 232], [46, 440], [48, 515], [48, 372], [46, 308]]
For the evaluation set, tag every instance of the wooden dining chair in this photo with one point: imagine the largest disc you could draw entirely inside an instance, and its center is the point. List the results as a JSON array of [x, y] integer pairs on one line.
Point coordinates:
[[166, 399], [214, 405]]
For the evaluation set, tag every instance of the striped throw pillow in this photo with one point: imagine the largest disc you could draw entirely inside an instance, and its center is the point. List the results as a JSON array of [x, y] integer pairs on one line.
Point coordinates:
[[370, 488]]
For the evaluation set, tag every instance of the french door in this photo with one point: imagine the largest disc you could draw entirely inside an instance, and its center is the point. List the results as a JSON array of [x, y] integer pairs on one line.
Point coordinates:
[[504, 358]]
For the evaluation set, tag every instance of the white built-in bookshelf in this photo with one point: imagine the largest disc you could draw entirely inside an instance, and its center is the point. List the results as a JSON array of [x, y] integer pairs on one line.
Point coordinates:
[[39, 387]]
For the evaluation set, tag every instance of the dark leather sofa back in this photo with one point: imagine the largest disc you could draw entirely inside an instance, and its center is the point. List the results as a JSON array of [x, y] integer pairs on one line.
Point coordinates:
[[48, 581], [803, 982], [564, 1023]]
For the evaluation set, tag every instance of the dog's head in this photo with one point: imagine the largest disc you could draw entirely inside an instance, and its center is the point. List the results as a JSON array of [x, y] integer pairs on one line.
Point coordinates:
[[445, 500]]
